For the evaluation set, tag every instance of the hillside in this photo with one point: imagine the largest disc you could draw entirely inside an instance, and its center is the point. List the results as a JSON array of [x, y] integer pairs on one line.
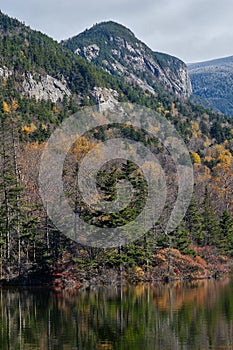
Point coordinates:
[[38, 67], [42, 83], [213, 81], [116, 49]]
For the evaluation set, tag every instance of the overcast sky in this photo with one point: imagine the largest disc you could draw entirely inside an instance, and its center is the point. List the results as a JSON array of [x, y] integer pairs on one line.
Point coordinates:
[[193, 30]]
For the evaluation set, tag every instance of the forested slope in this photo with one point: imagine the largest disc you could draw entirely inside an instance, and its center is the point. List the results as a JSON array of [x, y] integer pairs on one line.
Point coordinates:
[[29, 242]]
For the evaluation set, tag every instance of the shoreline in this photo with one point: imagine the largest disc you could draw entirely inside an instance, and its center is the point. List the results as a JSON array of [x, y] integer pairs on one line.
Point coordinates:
[[92, 283], [167, 266]]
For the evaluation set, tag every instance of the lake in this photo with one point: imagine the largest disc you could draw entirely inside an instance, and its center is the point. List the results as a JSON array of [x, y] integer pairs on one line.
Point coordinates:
[[188, 315]]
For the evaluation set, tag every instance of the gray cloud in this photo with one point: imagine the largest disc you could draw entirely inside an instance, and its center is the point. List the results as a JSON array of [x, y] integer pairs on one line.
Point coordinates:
[[193, 30]]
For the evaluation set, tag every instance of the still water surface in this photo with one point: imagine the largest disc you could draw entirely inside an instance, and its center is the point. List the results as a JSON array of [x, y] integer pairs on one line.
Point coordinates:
[[196, 315]]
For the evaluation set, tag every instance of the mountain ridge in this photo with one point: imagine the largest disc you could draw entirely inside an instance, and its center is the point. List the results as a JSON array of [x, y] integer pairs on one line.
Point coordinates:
[[116, 49], [213, 81], [32, 248], [213, 61]]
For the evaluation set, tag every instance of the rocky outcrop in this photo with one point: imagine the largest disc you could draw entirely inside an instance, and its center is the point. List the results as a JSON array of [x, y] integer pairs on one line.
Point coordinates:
[[5, 72], [104, 98], [41, 87], [91, 52], [44, 87], [119, 52], [140, 65]]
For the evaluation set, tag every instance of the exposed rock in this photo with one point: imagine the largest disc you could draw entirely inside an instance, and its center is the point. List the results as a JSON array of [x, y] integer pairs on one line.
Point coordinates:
[[78, 51], [5, 72], [116, 49], [90, 52], [133, 79], [105, 98], [44, 88], [41, 87]]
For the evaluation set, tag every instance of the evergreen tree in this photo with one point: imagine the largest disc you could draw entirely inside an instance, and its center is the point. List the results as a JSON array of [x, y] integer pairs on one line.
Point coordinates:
[[210, 225], [193, 222], [181, 240], [225, 241]]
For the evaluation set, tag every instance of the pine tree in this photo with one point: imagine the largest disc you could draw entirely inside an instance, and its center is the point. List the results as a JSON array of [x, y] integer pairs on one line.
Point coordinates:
[[9, 189], [210, 225], [193, 222], [181, 240], [225, 241], [12, 211]]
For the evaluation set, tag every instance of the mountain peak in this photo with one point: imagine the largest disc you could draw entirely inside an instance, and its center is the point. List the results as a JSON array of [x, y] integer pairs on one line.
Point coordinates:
[[113, 27], [115, 48], [105, 30]]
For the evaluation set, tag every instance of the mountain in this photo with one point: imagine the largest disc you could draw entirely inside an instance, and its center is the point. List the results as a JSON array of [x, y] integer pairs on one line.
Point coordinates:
[[37, 66], [42, 83], [213, 81], [116, 49]]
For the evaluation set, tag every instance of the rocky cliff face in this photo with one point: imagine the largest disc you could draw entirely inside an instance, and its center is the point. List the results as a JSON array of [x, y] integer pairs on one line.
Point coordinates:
[[5, 72], [104, 98], [213, 82], [41, 87], [118, 51], [44, 87]]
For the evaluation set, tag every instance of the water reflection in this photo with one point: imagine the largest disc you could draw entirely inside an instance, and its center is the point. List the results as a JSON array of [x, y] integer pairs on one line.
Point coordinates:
[[196, 315]]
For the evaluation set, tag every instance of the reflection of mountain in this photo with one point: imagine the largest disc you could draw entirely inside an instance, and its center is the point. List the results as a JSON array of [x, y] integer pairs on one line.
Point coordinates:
[[182, 315]]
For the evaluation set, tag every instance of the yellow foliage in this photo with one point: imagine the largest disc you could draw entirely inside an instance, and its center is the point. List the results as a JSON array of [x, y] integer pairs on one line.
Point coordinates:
[[82, 146], [195, 135], [219, 153], [22, 54], [14, 105], [29, 128], [4, 82], [10, 108], [217, 179], [55, 110], [196, 158], [208, 159], [139, 272], [194, 126], [217, 150], [225, 157], [6, 107]]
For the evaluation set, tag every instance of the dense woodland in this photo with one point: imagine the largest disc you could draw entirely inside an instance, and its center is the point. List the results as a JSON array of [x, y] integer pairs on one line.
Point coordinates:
[[29, 242]]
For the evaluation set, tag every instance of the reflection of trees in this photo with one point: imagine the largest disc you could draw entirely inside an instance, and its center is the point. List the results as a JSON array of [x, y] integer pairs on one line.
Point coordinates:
[[197, 314]]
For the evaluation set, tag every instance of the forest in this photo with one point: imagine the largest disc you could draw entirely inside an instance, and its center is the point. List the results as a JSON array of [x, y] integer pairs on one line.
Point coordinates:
[[31, 247]]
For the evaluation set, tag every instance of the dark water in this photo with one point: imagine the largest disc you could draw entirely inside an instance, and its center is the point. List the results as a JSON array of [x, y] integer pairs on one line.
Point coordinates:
[[197, 315]]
